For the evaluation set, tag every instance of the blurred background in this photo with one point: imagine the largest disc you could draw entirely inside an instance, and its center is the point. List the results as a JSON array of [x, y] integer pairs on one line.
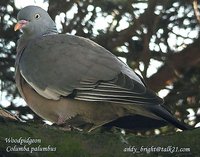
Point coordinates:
[[158, 39]]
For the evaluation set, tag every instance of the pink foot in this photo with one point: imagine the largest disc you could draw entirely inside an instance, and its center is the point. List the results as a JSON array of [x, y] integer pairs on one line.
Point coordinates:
[[61, 120]]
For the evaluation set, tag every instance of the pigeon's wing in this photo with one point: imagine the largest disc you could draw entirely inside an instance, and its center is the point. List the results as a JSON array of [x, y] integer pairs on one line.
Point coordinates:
[[71, 66], [65, 65]]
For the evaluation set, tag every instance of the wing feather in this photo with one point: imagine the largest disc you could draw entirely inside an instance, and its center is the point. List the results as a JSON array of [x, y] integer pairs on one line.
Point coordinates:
[[116, 91]]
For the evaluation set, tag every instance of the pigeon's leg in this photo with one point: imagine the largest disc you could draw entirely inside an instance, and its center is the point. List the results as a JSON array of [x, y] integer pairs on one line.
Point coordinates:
[[61, 124], [65, 126], [61, 120]]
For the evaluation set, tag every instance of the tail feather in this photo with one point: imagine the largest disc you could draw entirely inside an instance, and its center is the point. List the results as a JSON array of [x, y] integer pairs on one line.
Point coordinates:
[[136, 123], [167, 116]]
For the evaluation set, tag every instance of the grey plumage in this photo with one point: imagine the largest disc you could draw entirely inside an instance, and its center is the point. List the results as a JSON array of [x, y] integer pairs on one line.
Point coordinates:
[[70, 79]]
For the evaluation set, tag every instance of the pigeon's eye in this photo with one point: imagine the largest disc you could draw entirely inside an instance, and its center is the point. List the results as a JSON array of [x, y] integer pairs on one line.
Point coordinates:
[[37, 16]]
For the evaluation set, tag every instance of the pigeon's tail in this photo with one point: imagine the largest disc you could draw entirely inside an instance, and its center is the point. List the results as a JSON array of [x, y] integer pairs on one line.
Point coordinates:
[[136, 123], [161, 112]]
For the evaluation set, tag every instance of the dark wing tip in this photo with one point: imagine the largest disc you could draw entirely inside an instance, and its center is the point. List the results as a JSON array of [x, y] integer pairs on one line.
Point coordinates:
[[160, 111]]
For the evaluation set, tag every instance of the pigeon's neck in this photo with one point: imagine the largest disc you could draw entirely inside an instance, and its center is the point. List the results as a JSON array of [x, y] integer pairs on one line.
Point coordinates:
[[26, 37], [38, 34], [53, 30]]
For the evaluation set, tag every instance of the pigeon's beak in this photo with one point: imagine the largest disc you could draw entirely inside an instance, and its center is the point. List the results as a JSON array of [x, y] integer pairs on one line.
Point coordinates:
[[20, 24]]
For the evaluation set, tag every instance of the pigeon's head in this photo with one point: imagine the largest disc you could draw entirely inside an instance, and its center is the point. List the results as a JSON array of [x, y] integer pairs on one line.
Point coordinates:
[[33, 20]]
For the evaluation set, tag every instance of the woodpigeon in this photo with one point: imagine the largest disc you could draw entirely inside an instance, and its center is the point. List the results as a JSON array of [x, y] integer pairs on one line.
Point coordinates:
[[71, 80]]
